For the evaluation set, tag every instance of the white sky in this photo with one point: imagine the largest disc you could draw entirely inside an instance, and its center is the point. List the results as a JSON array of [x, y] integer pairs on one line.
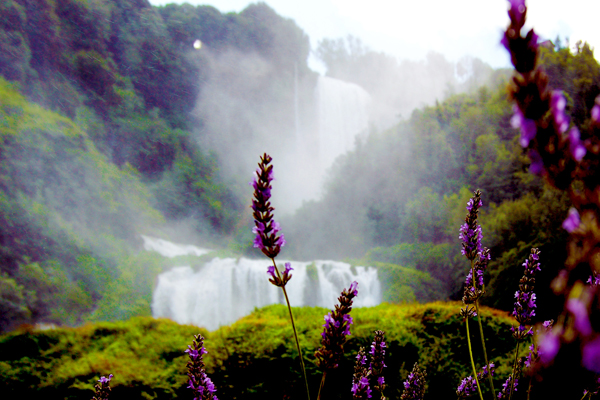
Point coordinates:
[[409, 29]]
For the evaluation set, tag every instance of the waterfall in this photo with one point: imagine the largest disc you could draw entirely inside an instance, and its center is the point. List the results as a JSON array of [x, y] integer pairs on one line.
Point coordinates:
[[223, 290], [171, 250], [342, 115]]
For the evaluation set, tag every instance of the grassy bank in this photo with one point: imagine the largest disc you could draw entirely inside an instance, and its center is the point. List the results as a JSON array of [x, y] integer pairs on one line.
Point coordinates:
[[252, 358]]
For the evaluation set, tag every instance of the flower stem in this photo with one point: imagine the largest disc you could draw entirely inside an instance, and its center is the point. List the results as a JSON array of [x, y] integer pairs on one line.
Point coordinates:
[[514, 371], [472, 361], [483, 344], [321, 385], [287, 300]]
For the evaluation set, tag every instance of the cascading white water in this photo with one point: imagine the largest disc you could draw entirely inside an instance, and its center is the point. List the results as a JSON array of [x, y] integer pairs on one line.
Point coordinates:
[[224, 290], [342, 114], [171, 250]]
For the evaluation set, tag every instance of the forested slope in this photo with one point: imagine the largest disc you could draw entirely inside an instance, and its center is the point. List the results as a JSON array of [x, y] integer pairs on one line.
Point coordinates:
[[400, 197], [97, 146]]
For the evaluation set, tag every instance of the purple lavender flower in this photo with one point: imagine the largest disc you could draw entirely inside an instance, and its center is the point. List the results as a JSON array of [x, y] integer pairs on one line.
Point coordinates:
[[506, 387], [594, 279], [468, 386], [593, 389], [278, 280], [537, 164], [596, 110], [361, 389], [470, 231], [474, 288], [377, 364], [534, 351], [527, 126], [525, 297], [336, 328], [267, 238], [580, 314], [549, 344], [523, 50], [590, 356], [557, 107], [199, 382], [572, 222], [575, 145], [102, 388], [517, 12], [414, 385]]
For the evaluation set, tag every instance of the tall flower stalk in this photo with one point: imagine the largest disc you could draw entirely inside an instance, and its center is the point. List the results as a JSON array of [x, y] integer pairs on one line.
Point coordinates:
[[335, 330], [269, 240], [470, 236]]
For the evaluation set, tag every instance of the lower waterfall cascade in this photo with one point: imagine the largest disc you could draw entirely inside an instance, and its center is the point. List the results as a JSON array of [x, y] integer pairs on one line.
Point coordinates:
[[225, 289]]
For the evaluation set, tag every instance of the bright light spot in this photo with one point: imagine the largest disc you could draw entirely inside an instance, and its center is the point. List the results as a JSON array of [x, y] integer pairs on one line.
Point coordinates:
[[197, 44]]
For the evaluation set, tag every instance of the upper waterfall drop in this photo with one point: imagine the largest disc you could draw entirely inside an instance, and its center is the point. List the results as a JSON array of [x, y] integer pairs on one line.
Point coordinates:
[[342, 110], [340, 113]]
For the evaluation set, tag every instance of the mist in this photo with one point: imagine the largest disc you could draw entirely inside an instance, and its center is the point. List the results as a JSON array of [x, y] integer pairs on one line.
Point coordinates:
[[250, 104]]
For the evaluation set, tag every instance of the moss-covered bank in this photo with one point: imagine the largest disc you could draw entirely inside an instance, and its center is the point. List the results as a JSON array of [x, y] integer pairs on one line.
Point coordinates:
[[253, 358]]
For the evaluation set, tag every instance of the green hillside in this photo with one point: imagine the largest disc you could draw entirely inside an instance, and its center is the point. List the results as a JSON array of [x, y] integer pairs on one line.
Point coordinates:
[[253, 358]]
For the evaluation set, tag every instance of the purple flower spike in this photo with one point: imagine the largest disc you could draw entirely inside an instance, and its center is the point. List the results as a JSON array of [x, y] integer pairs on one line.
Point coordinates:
[[102, 388], [414, 385], [596, 110], [377, 364], [549, 344], [527, 126], [575, 145], [537, 164], [336, 328], [199, 382], [558, 104], [591, 355], [361, 388], [572, 222], [470, 232], [468, 386], [581, 316], [277, 279], [104, 379], [267, 230], [517, 12], [525, 297]]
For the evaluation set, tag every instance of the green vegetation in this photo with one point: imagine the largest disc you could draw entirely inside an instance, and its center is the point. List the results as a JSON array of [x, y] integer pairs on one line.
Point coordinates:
[[400, 197], [253, 358], [95, 118]]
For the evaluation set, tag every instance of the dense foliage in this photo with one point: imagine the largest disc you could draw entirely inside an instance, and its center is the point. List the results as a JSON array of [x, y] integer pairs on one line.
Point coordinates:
[[399, 197], [252, 358], [97, 144]]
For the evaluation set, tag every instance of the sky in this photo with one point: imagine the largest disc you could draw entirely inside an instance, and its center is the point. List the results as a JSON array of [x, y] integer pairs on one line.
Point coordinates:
[[410, 29]]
